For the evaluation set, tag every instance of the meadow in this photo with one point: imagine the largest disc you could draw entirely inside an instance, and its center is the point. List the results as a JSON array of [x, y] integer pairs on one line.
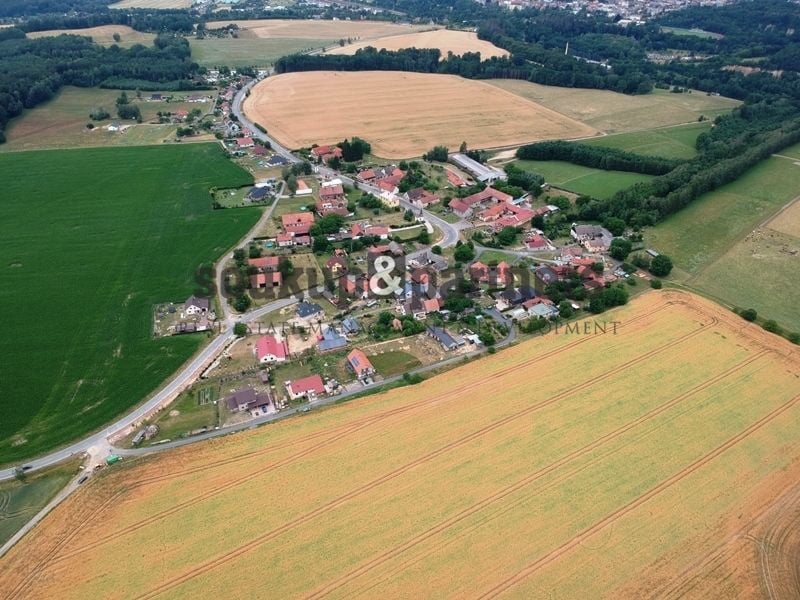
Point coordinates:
[[529, 472], [669, 142], [103, 35], [90, 240], [248, 52], [61, 122], [446, 40], [725, 244], [444, 109], [611, 112], [582, 180], [314, 29]]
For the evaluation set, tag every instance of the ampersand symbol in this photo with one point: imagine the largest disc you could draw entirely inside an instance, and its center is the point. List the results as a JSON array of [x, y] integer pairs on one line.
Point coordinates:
[[384, 265]]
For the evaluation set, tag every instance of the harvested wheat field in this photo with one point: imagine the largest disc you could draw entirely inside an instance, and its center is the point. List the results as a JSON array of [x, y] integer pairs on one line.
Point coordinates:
[[103, 35], [612, 112], [584, 465], [157, 4], [317, 29], [401, 114], [446, 40]]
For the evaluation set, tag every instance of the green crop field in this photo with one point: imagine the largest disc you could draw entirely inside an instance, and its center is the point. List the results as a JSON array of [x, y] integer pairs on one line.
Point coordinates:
[[248, 52], [695, 32], [723, 244], [90, 240], [582, 180], [669, 142], [20, 501]]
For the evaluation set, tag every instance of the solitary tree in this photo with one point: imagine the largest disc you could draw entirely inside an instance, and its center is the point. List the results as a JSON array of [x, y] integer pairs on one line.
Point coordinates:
[[240, 329], [661, 265]]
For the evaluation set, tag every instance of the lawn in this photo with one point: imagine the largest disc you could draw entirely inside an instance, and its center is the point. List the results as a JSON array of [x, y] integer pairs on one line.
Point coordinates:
[[582, 180], [394, 362], [669, 142], [193, 409], [531, 473], [113, 231], [20, 501], [248, 52], [719, 246]]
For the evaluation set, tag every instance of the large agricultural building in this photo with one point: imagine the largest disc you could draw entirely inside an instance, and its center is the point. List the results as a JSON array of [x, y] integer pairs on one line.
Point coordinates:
[[483, 173]]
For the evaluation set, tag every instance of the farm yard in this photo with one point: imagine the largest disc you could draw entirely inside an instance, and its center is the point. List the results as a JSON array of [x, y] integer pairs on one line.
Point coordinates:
[[726, 243], [582, 180], [543, 483], [103, 35], [611, 112], [485, 116], [61, 122], [446, 40], [126, 228]]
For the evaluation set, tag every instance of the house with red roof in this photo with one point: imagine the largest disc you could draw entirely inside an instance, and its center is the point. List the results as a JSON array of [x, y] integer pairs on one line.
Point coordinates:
[[332, 200], [360, 364], [245, 142], [454, 179], [539, 242], [269, 349], [499, 275], [260, 281], [265, 263], [421, 198], [298, 223], [326, 153], [465, 207], [285, 240], [506, 214], [307, 387], [350, 285]]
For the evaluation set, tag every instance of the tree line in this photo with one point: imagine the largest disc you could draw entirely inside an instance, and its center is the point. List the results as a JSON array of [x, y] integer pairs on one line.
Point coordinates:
[[598, 157]]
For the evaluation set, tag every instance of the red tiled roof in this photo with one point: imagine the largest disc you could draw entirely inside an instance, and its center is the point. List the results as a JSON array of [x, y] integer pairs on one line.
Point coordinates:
[[360, 363], [269, 344], [265, 262], [312, 383]]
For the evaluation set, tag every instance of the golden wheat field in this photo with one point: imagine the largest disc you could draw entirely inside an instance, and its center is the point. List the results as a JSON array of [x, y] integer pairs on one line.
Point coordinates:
[[103, 35], [317, 29], [401, 114], [651, 459], [446, 40]]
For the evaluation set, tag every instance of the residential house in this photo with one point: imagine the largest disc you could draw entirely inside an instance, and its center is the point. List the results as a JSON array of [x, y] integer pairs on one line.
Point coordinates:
[[308, 387], [259, 150], [298, 223], [539, 242], [326, 153], [285, 240], [466, 207], [258, 194], [506, 214], [421, 198], [195, 305], [250, 400], [261, 281], [269, 349], [309, 310], [447, 340], [360, 364], [355, 287], [351, 326], [499, 275], [337, 265], [454, 179], [332, 200], [542, 308], [331, 340], [592, 237], [245, 142]]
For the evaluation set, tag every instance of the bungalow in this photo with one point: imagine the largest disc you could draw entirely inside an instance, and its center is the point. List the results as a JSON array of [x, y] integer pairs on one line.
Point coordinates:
[[248, 399], [245, 142], [538, 242], [309, 387], [308, 310], [447, 340], [298, 223], [285, 240], [269, 349], [543, 310], [421, 198], [258, 194], [592, 237], [326, 153], [259, 150], [331, 340], [303, 189], [360, 364], [381, 231], [195, 305], [277, 161], [351, 326], [337, 265], [267, 264]]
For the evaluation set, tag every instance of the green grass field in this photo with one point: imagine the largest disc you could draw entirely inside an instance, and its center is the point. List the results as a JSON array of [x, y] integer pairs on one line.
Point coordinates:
[[90, 240], [582, 180], [394, 362], [248, 52], [719, 246], [669, 142], [20, 501], [695, 32]]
